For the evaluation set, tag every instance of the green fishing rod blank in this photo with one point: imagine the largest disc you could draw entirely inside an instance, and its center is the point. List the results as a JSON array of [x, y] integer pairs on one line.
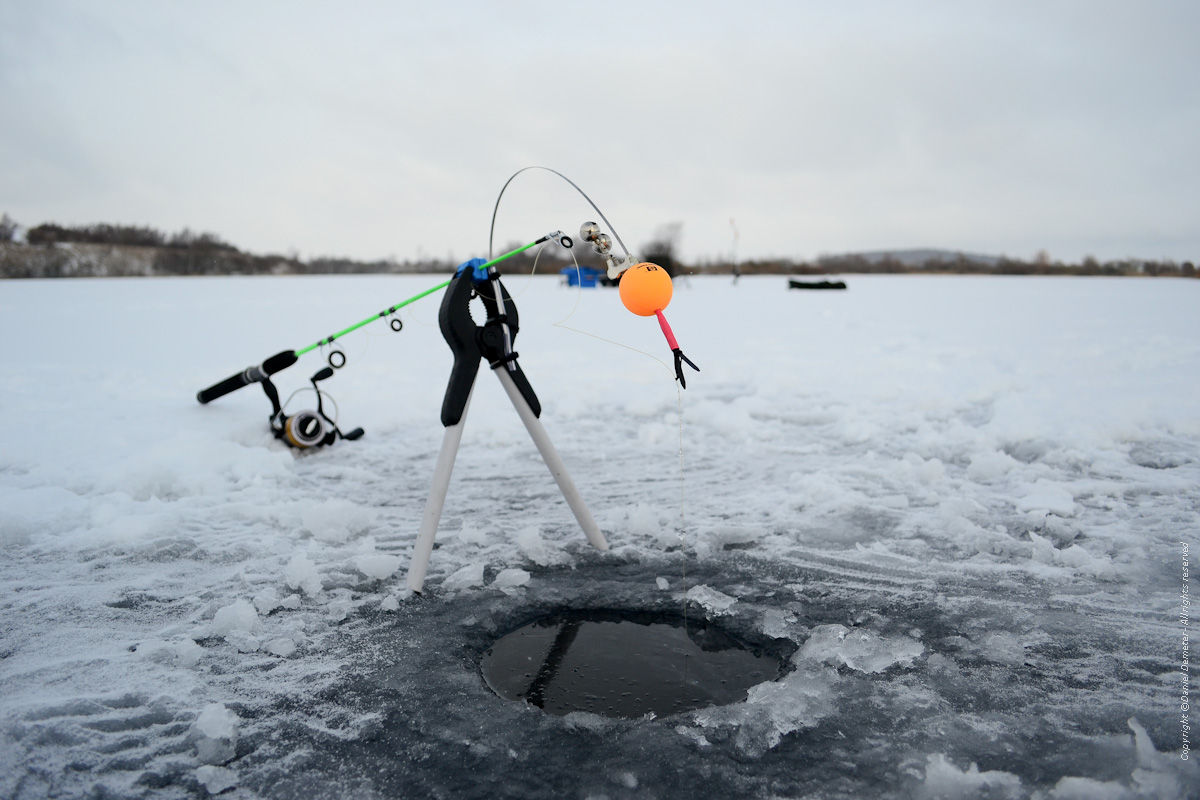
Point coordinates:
[[285, 359], [386, 312], [392, 309]]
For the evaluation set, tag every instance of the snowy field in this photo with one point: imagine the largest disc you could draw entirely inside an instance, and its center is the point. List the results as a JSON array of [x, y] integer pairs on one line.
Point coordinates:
[[954, 505]]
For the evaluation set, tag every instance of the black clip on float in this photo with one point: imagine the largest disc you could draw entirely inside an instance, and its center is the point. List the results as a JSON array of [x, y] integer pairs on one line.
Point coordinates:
[[493, 342]]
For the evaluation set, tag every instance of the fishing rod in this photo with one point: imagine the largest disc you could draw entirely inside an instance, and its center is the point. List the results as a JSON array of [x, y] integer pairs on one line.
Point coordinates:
[[312, 428]]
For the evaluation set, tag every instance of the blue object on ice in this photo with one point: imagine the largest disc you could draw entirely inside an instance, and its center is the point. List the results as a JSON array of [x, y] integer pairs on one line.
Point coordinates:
[[581, 276]]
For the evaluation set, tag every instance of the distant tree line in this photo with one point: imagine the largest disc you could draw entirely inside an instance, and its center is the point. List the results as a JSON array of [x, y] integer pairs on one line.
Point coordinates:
[[961, 265], [129, 235], [50, 250]]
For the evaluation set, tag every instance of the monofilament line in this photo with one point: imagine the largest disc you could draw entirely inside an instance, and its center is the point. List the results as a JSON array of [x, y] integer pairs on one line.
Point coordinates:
[[682, 519]]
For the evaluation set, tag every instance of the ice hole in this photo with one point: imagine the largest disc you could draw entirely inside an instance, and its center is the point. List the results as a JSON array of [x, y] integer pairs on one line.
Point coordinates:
[[624, 664]]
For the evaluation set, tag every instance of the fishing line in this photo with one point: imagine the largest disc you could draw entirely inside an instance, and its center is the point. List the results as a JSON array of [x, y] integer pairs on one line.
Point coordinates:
[[682, 506], [537, 254], [613, 267], [324, 395], [416, 320], [679, 419], [496, 208], [357, 350], [574, 308]]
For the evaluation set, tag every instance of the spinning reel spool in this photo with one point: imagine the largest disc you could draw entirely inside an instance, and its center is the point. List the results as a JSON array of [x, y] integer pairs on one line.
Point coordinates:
[[306, 428]]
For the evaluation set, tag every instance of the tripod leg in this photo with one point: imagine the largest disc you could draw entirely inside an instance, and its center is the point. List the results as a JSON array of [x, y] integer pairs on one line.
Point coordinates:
[[557, 468], [437, 498]]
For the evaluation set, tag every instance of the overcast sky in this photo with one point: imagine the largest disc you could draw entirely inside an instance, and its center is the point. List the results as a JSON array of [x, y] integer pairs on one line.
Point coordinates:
[[387, 129]]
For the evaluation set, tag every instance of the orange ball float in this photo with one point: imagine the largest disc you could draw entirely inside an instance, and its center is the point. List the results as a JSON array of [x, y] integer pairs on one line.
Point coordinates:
[[645, 288]]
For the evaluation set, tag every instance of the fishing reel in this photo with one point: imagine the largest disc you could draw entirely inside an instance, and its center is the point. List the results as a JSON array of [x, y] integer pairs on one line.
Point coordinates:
[[305, 429]]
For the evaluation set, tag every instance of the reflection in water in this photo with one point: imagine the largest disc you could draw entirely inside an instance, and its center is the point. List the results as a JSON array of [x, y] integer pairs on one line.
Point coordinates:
[[623, 664]]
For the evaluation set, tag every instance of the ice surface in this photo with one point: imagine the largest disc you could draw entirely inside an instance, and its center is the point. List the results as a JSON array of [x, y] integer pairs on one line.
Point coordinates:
[[960, 498]]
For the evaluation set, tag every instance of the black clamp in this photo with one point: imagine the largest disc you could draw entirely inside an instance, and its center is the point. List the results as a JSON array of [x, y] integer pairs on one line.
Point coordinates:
[[470, 342]]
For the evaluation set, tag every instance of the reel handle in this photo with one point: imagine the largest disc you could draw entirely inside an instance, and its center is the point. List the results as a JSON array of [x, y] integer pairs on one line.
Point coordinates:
[[275, 363]]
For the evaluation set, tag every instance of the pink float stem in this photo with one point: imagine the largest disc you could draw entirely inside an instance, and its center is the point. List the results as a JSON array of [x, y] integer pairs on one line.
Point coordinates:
[[666, 329]]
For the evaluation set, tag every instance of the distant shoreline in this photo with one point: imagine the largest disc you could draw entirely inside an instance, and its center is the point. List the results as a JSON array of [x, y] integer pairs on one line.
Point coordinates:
[[98, 260]]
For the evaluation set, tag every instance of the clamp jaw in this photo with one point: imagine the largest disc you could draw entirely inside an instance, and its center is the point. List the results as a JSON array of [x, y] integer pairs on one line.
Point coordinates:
[[470, 342]]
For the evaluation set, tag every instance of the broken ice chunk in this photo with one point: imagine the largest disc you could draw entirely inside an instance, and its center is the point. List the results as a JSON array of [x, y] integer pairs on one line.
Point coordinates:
[[215, 734], [538, 550], [216, 779], [508, 580], [238, 622], [778, 624], [377, 566], [859, 650], [712, 601], [1048, 497], [943, 779], [266, 601], [301, 573], [282, 647], [335, 520], [464, 578]]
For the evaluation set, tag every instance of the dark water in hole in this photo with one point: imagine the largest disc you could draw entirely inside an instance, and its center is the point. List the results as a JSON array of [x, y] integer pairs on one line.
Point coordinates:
[[623, 664]]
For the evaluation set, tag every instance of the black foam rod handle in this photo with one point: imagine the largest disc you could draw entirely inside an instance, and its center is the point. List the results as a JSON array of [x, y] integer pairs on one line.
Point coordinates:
[[275, 363], [279, 362], [228, 385]]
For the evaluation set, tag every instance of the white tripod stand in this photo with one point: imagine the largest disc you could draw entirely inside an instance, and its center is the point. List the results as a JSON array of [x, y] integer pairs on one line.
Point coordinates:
[[471, 343]]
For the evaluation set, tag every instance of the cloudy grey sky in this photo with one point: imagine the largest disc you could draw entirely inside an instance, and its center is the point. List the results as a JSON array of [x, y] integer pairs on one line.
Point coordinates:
[[376, 129]]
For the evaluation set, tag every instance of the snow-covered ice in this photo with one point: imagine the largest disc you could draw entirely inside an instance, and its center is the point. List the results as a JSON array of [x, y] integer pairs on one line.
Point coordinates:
[[953, 506]]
